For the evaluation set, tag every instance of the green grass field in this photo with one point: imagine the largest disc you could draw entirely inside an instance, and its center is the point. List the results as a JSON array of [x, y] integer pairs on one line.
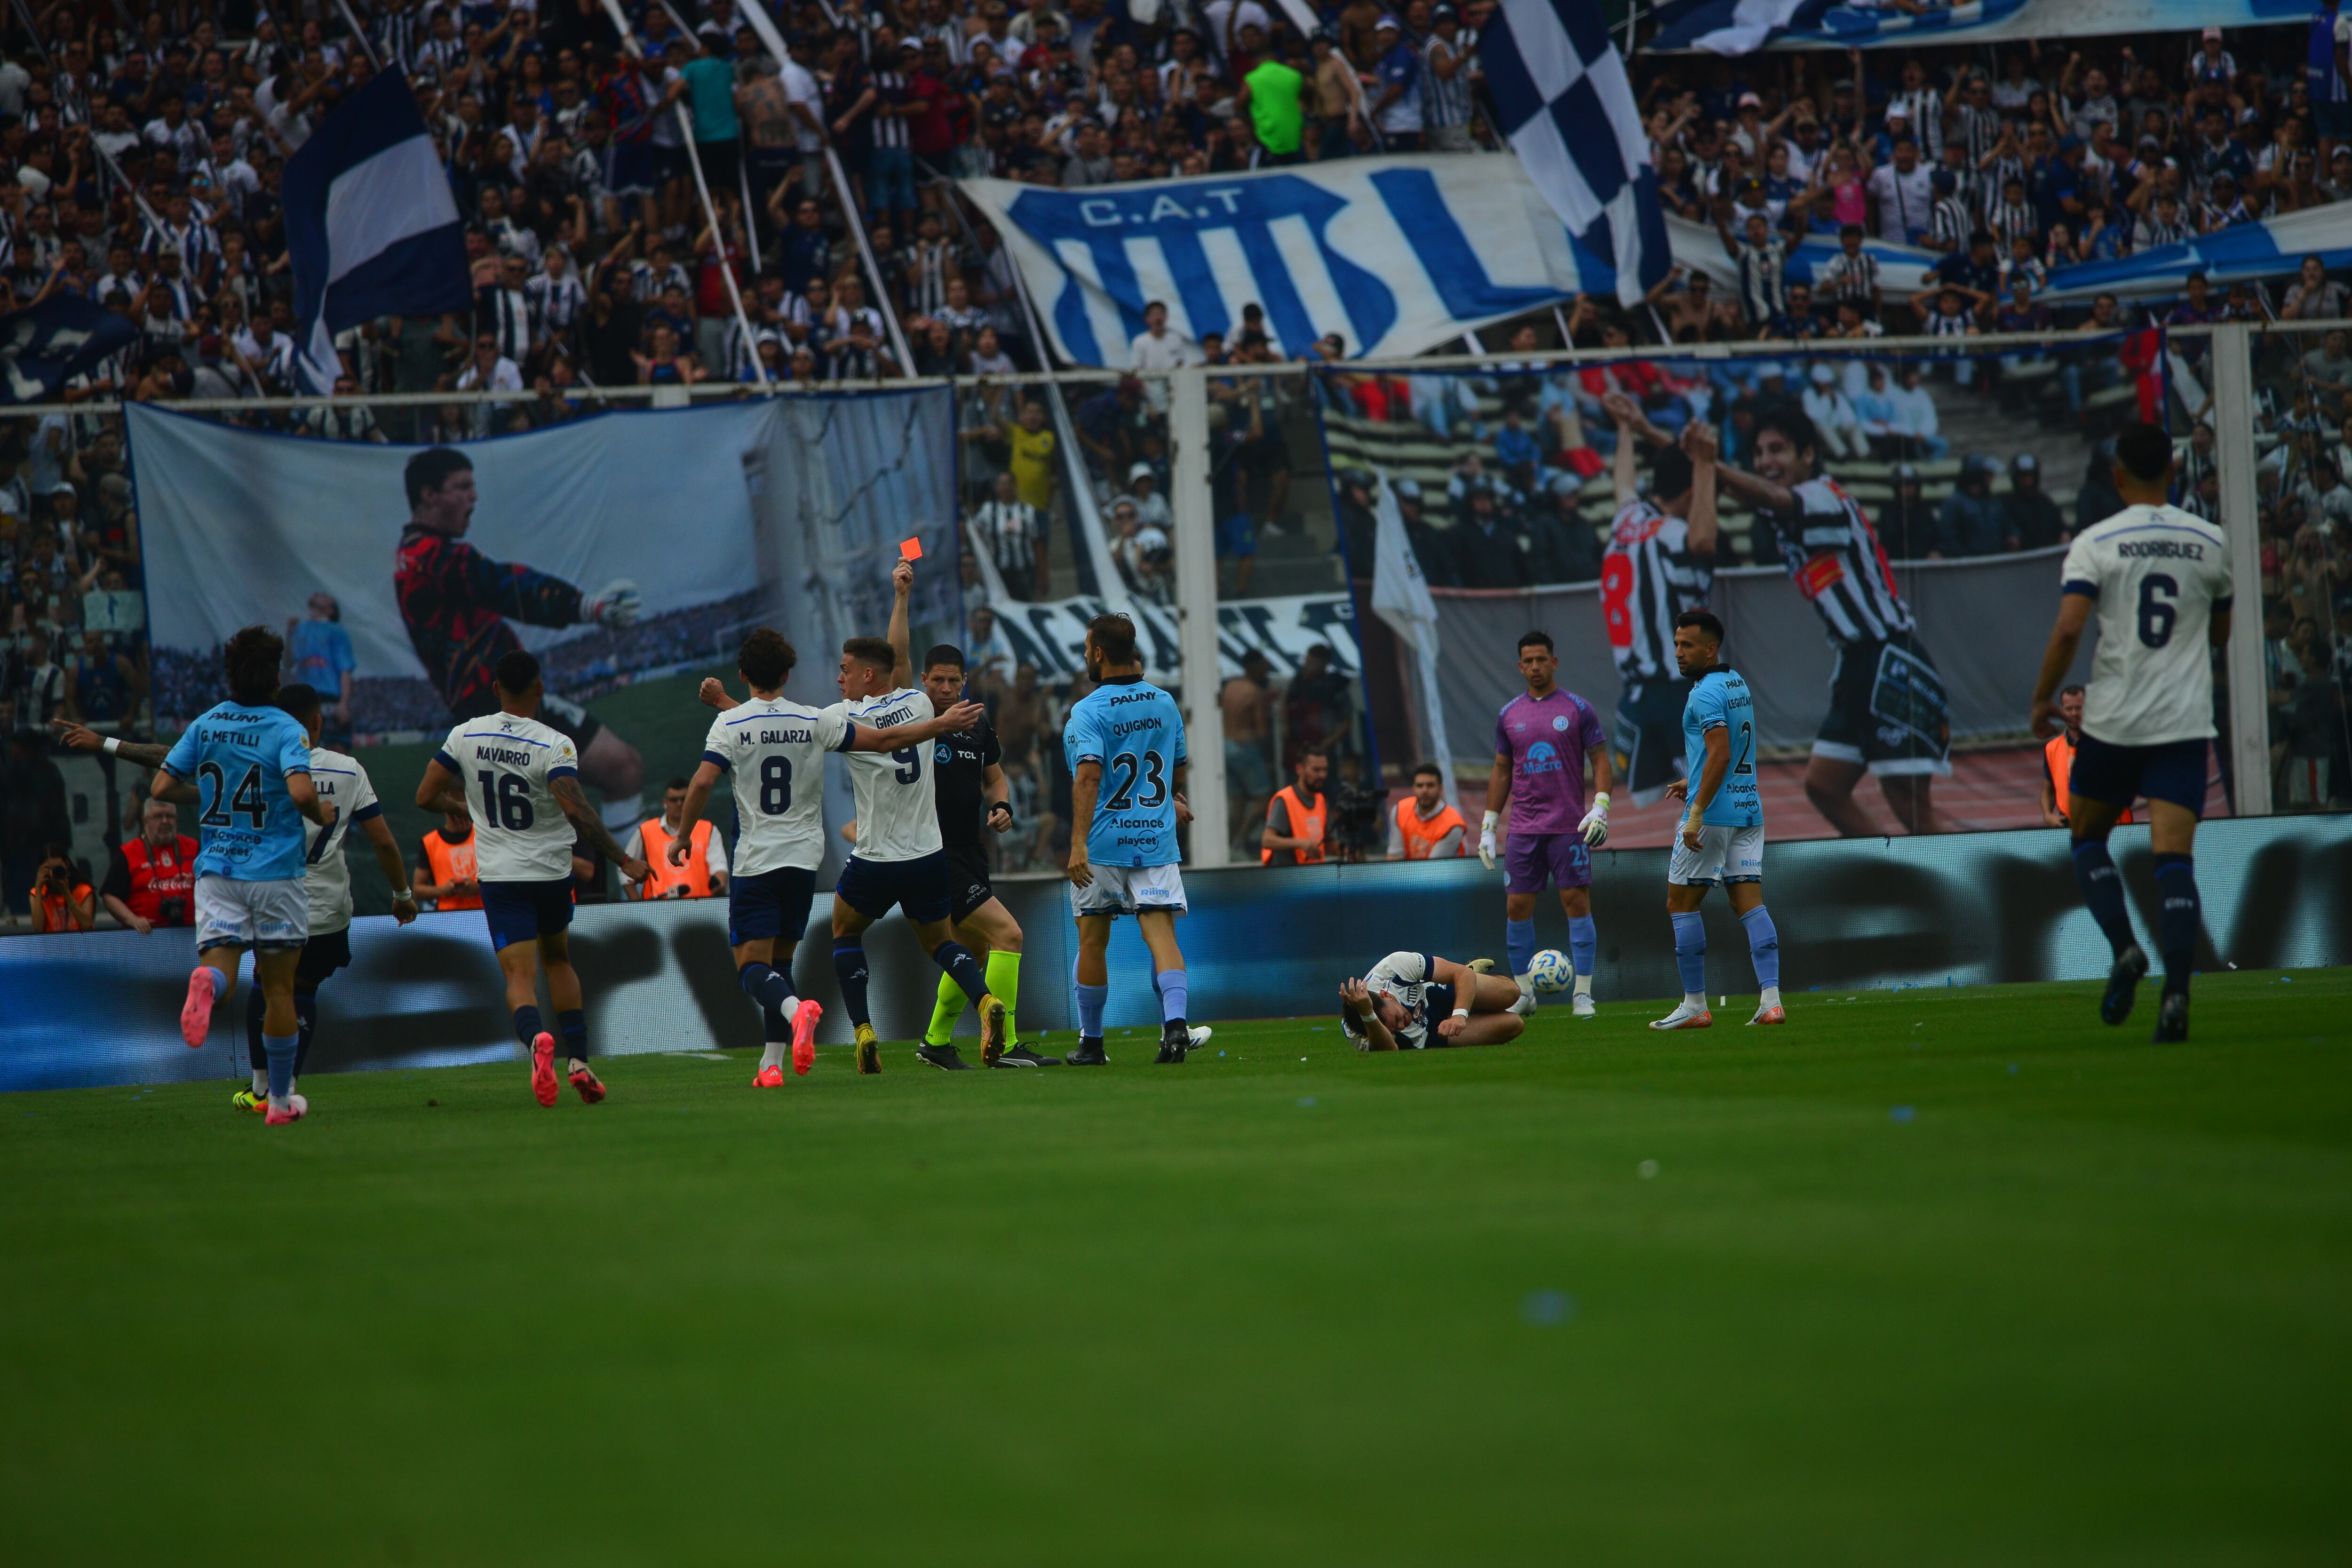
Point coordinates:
[[1934, 1277]]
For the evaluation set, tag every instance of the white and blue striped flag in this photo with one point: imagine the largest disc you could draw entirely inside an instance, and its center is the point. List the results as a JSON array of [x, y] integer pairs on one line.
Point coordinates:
[[371, 224], [1563, 97]]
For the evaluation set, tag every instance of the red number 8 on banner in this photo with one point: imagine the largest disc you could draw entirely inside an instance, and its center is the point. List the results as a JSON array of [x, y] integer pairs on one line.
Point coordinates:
[[1616, 599]]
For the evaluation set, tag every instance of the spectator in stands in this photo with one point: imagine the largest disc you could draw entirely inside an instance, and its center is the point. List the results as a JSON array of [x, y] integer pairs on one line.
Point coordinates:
[[1316, 713], [1907, 523], [1971, 521], [1010, 535], [151, 880], [1245, 705], [2034, 520]]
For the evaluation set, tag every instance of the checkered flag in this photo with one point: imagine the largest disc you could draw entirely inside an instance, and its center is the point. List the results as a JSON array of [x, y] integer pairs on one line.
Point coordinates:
[[1563, 97]]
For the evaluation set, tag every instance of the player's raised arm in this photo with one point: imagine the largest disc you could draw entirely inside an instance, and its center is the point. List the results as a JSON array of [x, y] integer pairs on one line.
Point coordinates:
[[713, 694], [573, 800], [963, 716], [1757, 491], [80, 738], [697, 796], [1702, 529], [902, 584]]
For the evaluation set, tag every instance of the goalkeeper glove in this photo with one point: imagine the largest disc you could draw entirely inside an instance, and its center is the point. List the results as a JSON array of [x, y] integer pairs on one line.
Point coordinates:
[[1595, 826], [1486, 841], [614, 605]]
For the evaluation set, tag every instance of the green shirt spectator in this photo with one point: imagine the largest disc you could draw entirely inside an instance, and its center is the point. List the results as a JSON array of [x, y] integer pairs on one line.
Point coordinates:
[[710, 94], [1274, 90]]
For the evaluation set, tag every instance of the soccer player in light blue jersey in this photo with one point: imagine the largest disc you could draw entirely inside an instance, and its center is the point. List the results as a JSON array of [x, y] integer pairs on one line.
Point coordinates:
[[1124, 745], [1722, 837], [245, 765]]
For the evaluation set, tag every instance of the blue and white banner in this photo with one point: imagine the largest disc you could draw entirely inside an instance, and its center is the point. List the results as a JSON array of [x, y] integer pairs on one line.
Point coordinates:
[[2273, 248], [1561, 96], [1903, 270], [1396, 254], [1743, 27], [45, 346], [371, 224]]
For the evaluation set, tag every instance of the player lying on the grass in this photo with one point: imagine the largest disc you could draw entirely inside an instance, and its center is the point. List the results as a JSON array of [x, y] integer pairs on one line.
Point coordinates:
[[2158, 580], [1391, 1007], [328, 885], [246, 763], [532, 810], [1722, 836], [768, 743]]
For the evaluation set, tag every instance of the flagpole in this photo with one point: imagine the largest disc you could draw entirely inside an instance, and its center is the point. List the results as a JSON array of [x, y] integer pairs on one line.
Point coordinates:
[[360, 35], [702, 188]]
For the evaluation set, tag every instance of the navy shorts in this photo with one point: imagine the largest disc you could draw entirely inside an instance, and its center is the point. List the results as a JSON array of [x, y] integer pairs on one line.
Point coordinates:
[[2115, 775], [770, 904], [925, 889], [525, 911]]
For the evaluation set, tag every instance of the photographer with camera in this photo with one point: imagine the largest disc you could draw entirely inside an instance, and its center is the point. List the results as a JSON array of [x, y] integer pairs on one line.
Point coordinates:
[[61, 900], [150, 881]]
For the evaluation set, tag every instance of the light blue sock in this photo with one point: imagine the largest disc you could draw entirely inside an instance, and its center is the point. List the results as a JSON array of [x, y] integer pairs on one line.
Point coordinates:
[[1173, 995], [220, 981], [1092, 1000], [1519, 937], [1582, 939], [1690, 952], [281, 1051], [1763, 947]]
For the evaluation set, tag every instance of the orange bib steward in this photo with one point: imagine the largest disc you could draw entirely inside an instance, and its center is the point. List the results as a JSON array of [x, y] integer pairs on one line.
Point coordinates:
[[2058, 756], [162, 881], [452, 863], [1420, 838], [1303, 824], [664, 880]]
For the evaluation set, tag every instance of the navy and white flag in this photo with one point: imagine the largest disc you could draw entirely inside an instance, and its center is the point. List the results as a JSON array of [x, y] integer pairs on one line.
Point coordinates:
[[43, 347], [1396, 254], [1563, 97], [371, 224]]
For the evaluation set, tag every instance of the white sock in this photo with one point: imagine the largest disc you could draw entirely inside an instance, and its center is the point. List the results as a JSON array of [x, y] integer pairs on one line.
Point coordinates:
[[261, 1081], [622, 813], [773, 1057], [1584, 985], [1695, 1000], [1771, 998], [1525, 982]]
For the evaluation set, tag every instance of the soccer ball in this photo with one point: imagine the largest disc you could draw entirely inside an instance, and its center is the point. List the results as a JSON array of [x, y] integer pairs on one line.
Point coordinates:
[[1551, 971]]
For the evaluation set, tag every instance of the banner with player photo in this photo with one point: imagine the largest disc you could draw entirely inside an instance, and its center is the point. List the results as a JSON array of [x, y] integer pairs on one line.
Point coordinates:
[[620, 548], [1053, 636]]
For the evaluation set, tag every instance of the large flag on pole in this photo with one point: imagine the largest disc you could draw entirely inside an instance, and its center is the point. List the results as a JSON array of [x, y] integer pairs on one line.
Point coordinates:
[[44, 345], [1563, 97], [371, 224], [1401, 597]]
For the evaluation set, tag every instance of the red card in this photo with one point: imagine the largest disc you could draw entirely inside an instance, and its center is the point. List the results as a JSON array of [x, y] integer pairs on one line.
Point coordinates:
[[910, 550]]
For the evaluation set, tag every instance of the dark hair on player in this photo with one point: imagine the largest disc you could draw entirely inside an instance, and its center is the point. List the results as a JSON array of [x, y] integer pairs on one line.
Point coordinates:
[[250, 660], [765, 660], [2145, 452], [1430, 770], [1795, 425], [678, 784], [1704, 623], [1670, 473], [430, 469], [1541, 639], [946, 653], [515, 672], [872, 652], [300, 699], [2074, 690], [1113, 636]]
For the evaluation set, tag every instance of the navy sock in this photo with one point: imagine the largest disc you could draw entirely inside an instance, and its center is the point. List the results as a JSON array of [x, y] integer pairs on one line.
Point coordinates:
[[573, 1028], [849, 968], [2103, 891], [962, 968], [254, 1007], [1763, 947], [1690, 950], [765, 984], [526, 1024], [1174, 991], [306, 1016], [2182, 912], [1519, 941], [774, 1026]]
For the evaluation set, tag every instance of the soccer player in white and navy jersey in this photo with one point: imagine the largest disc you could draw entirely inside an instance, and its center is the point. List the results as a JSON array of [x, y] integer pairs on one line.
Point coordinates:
[[775, 748], [900, 859], [1887, 711], [1418, 1001], [520, 780], [1660, 563], [2158, 580]]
